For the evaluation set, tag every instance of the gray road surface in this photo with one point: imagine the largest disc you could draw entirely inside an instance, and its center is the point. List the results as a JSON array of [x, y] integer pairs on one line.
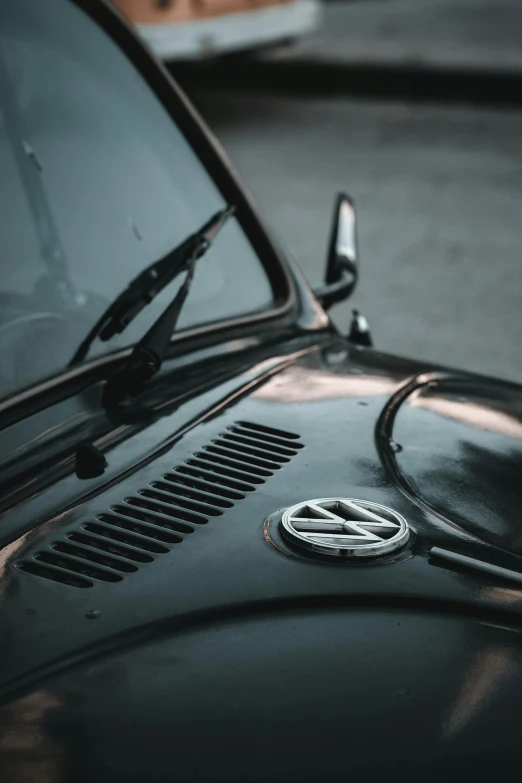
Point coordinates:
[[476, 34], [439, 195]]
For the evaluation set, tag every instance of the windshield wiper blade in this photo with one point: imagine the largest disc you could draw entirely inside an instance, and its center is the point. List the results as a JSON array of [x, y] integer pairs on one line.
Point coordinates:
[[148, 354], [148, 284]]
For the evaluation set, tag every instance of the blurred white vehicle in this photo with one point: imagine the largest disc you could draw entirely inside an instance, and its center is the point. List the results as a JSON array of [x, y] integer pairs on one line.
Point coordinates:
[[192, 29]]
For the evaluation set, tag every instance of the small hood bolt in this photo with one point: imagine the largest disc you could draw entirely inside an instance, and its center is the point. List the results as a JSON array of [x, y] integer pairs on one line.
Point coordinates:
[[360, 333]]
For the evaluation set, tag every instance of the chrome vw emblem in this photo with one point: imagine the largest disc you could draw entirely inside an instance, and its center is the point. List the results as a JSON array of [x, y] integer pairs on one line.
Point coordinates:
[[345, 527]]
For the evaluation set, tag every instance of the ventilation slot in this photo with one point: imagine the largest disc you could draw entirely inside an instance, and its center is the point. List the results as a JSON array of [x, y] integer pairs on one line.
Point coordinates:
[[142, 529], [231, 474], [54, 574], [232, 459], [86, 553], [167, 498], [252, 446], [183, 489], [98, 542], [268, 433], [70, 569], [191, 480], [253, 455], [125, 537], [148, 500], [151, 517], [251, 462], [160, 515]]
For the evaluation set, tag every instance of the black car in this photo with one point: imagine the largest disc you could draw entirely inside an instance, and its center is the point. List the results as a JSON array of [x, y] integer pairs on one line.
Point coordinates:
[[236, 545]]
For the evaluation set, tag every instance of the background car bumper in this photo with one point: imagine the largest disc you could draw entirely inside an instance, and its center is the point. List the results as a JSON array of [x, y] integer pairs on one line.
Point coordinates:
[[197, 38]]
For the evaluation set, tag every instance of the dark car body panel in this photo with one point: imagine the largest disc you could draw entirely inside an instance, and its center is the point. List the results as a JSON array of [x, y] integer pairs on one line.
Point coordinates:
[[234, 641], [199, 645], [320, 694], [463, 453]]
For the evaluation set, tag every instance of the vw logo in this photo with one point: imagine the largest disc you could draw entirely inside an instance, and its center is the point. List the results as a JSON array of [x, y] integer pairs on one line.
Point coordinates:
[[345, 527]]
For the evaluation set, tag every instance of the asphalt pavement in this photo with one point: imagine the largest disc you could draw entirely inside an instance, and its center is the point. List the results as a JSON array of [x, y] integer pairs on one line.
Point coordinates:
[[439, 198], [479, 35], [437, 181], [466, 51]]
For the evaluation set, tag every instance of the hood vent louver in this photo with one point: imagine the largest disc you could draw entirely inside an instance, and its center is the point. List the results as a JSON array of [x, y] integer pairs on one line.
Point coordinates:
[[116, 542]]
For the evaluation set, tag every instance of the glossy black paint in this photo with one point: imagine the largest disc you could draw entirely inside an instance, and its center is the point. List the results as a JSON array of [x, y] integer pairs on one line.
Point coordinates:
[[268, 659], [227, 656], [458, 452]]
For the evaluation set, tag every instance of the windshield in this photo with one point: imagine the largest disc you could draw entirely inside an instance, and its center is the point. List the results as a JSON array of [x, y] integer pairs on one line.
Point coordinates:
[[96, 183]]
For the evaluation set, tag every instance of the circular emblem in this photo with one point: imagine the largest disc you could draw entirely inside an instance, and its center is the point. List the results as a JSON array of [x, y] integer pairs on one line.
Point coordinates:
[[344, 527]]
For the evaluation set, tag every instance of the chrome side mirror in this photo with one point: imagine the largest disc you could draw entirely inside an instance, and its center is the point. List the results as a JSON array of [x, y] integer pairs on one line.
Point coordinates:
[[342, 269]]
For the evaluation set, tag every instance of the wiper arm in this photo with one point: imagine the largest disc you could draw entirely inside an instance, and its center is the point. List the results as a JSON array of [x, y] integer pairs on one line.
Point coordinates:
[[148, 284], [148, 354]]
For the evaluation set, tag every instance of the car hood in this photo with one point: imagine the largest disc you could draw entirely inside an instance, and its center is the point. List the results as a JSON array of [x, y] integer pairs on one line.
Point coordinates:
[[454, 445], [161, 627]]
